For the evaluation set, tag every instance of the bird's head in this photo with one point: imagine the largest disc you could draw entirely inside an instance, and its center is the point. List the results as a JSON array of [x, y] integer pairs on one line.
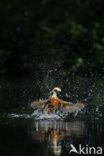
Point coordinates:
[[54, 91]]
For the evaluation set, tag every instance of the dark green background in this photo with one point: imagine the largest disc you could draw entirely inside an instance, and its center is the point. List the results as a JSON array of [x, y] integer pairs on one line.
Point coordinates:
[[69, 34]]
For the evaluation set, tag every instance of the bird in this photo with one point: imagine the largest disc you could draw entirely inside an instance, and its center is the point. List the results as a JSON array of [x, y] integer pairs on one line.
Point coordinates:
[[54, 103]]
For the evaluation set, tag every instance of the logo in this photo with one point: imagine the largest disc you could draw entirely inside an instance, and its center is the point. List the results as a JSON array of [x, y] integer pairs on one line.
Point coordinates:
[[85, 150]]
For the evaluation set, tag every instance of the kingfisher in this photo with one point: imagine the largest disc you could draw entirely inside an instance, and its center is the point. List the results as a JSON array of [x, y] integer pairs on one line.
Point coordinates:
[[54, 103], [54, 100]]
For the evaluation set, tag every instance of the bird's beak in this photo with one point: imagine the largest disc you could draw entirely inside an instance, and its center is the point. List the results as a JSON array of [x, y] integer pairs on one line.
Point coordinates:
[[57, 89]]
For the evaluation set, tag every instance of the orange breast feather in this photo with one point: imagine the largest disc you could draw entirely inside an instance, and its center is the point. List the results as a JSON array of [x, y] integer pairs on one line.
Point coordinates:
[[55, 101]]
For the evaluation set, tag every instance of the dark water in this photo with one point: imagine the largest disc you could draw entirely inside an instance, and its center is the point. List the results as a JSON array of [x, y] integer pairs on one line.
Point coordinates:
[[27, 137]]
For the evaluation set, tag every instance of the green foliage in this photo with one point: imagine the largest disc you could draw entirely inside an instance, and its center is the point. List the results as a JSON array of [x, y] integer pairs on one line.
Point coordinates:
[[71, 32]]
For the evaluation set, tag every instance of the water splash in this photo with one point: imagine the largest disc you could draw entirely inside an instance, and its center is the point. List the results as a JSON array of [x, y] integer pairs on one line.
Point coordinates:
[[38, 115], [15, 115]]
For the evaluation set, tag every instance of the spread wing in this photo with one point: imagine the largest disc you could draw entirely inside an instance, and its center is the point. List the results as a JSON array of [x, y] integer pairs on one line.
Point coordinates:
[[72, 108], [39, 104], [65, 104]]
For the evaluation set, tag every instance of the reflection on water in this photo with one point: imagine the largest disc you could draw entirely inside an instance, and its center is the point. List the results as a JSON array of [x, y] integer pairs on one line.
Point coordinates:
[[54, 133], [27, 137]]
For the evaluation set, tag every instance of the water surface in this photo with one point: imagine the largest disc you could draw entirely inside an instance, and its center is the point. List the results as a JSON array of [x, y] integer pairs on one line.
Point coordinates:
[[21, 136]]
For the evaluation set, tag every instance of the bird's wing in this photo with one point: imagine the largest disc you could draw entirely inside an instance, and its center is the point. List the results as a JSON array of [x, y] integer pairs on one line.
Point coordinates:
[[39, 104], [71, 108], [65, 103]]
